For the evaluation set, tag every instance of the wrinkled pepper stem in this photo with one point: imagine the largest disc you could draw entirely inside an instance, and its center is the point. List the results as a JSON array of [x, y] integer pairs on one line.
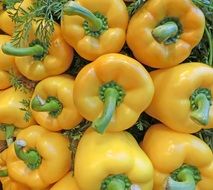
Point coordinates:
[[73, 8], [165, 31], [3, 173], [31, 157], [9, 133], [116, 182], [200, 101], [51, 105], [36, 50], [111, 94], [185, 178]]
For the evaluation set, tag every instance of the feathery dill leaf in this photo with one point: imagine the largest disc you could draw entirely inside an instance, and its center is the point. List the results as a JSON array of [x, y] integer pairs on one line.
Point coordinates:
[[26, 109], [134, 6]]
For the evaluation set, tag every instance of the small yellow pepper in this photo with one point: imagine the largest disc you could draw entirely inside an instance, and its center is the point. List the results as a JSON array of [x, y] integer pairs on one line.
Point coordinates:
[[111, 161], [6, 181], [181, 161], [67, 182], [162, 33], [6, 23], [52, 103], [12, 111], [37, 61], [116, 86], [7, 64], [183, 97], [38, 157], [95, 27]]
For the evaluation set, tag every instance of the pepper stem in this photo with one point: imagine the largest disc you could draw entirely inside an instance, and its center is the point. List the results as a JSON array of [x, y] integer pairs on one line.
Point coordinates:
[[165, 31], [201, 114], [51, 105], [111, 96], [31, 157], [185, 181], [36, 50], [3, 173], [9, 132], [73, 8], [116, 182]]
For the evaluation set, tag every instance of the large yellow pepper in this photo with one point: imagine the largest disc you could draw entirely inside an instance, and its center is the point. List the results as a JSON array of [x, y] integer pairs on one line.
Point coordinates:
[[116, 86], [111, 161], [181, 161], [6, 23], [183, 97], [38, 157], [7, 182], [12, 112], [7, 64], [36, 62], [162, 33], [67, 182], [95, 27], [52, 103]]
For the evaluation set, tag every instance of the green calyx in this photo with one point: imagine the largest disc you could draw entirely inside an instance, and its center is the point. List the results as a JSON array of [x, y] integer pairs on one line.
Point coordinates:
[[167, 31], [43, 53], [112, 95], [3, 173], [30, 157], [9, 132], [185, 178], [35, 49], [95, 23], [89, 30], [200, 102], [51, 105], [116, 182]]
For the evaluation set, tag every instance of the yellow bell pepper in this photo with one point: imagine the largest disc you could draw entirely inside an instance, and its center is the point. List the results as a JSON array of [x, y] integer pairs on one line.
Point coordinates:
[[38, 157], [7, 182], [162, 33], [52, 103], [116, 86], [111, 161], [7, 64], [183, 97], [12, 112], [36, 62], [6, 23], [95, 27], [67, 182], [181, 161]]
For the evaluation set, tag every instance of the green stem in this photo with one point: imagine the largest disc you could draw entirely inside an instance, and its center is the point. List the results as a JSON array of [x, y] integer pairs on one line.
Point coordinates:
[[210, 61], [116, 184], [36, 50], [165, 31], [111, 96], [185, 181], [3, 173], [31, 157], [201, 114], [52, 105], [9, 133], [73, 8]]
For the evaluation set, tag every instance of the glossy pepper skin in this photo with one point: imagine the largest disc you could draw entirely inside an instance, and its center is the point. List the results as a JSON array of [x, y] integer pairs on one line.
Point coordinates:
[[182, 98], [7, 63], [168, 150], [127, 77], [6, 181], [6, 23], [52, 103], [51, 155], [36, 64], [111, 34], [115, 153], [10, 108], [161, 46], [67, 182]]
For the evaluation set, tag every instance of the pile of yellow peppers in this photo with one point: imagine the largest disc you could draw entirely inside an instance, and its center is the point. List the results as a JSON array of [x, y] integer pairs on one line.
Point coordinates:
[[111, 92]]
